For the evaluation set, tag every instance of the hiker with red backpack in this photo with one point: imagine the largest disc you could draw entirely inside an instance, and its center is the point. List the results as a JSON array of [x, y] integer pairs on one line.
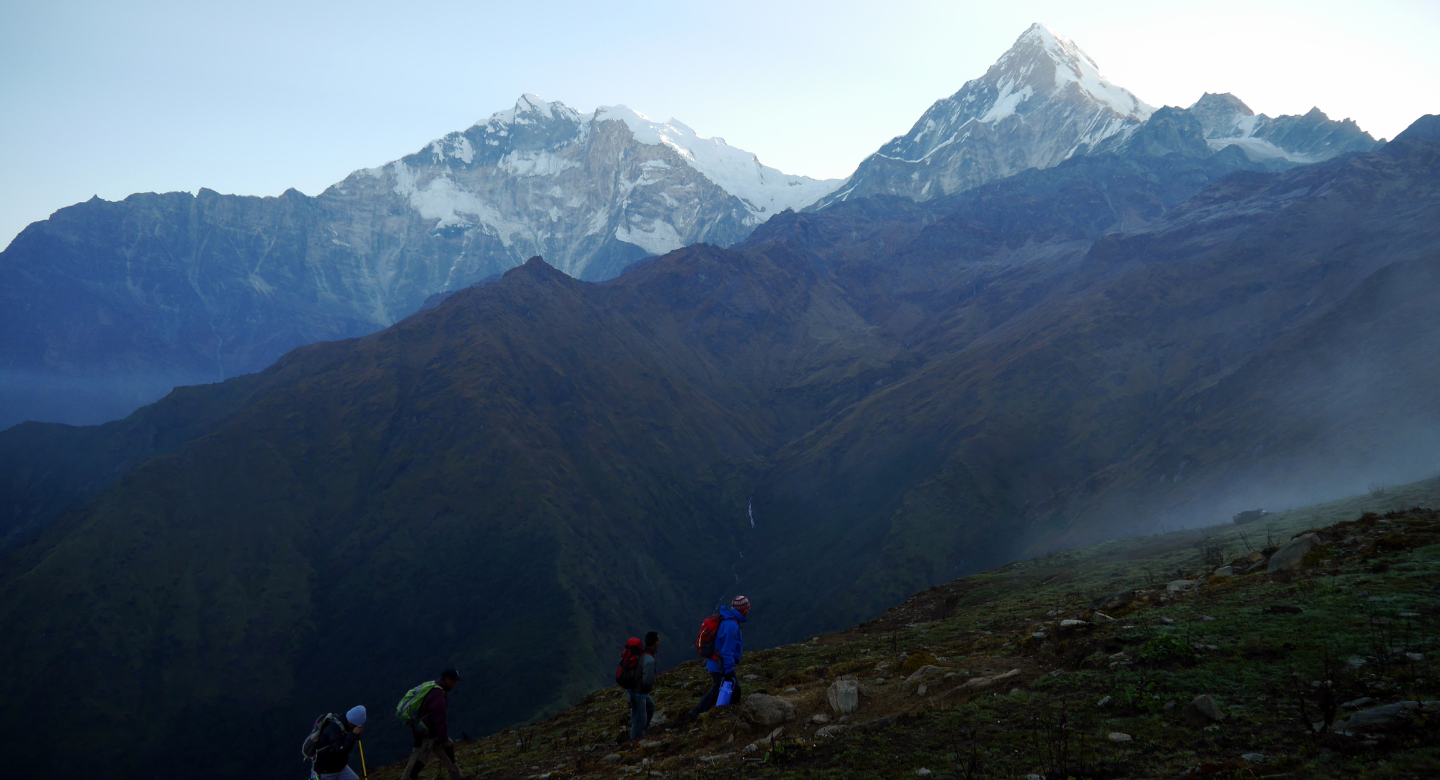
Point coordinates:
[[330, 742], [636, 674], [423, 709], [719, 643]]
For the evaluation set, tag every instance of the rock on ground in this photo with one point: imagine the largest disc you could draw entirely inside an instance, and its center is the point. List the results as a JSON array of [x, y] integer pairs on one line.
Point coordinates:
[[844, 695], [765, 710], [1115, 600], [977, 683], [1388, 715], [1202, 711], [923, 673], [1292, 553]]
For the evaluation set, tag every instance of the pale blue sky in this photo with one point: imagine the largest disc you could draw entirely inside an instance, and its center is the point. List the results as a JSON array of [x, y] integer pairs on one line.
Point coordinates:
[[252, 98]]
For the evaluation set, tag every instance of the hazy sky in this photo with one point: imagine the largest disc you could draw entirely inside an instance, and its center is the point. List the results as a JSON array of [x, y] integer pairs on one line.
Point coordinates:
[[113, 98]]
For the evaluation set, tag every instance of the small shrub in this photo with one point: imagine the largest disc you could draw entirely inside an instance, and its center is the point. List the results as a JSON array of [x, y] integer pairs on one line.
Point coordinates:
[[786, 752], [1167, 648], [914, 662]]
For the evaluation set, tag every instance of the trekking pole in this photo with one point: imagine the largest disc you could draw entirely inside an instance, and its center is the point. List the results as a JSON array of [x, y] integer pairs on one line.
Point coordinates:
[[363, 771]]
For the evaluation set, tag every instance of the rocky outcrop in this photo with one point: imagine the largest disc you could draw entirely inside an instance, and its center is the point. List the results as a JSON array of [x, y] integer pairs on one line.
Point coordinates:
[[768, 711], [1292, 554], [1202, 711], [1298, 139], [844, 695]]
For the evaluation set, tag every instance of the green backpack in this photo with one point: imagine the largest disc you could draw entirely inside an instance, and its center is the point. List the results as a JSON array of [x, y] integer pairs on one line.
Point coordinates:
[[408, 710]]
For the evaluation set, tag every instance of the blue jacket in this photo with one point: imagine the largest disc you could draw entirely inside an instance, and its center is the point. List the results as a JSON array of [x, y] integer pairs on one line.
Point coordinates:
[[728, 641]]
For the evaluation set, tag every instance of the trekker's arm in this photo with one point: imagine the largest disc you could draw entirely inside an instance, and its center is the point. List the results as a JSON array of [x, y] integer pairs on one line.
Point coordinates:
[[439, 727], [647, 673], [331, 738], [728, 646]]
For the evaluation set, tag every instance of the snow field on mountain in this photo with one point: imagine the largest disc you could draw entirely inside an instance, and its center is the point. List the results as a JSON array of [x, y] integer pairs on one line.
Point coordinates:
[[1080, 69], [765, 190]]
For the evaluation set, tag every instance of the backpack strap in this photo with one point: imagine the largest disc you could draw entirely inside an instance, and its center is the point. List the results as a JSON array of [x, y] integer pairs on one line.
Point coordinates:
[[320, 742]]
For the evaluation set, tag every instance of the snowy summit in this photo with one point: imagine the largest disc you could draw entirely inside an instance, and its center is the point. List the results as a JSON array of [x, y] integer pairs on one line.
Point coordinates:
[[1040, 103], [544, 179]]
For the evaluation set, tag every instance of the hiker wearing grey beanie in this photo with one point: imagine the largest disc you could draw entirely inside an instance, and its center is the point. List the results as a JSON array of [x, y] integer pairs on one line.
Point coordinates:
[[337, 739]]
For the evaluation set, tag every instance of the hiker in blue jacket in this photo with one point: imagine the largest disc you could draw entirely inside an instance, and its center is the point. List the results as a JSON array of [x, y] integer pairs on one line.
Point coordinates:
[[728, 643]]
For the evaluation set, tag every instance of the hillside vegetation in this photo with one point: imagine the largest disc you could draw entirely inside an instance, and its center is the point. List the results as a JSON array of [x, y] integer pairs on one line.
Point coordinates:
[[1086, 664]]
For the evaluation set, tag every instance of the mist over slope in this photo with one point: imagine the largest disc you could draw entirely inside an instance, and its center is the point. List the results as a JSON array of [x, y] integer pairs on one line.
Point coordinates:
[[892, 392]]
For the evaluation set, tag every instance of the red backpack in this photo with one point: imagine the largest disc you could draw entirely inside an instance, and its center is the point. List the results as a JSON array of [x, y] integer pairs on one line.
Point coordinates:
[[627, 673], [705, 643]]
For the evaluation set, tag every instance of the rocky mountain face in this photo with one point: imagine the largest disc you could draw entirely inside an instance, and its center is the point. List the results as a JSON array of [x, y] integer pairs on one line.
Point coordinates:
[[849, 405], [107, 306], [1296, 139], [1043, 102]]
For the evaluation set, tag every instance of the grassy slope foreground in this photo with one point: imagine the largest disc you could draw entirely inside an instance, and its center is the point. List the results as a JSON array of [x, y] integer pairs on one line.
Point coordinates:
[[1010, 690]]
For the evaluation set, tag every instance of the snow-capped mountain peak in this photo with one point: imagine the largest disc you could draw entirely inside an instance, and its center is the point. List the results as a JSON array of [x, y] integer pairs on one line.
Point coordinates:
[[591, 192], [1074, 66], [1042, 101], [528, 109]]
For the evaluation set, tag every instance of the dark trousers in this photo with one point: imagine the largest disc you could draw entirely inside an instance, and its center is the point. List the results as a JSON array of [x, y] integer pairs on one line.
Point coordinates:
[[708, 700], [642, 711], [425, 748]]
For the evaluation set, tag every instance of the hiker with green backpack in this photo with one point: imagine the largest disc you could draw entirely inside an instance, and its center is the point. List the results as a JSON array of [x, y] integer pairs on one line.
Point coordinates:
[[330, 742], [423, 709]]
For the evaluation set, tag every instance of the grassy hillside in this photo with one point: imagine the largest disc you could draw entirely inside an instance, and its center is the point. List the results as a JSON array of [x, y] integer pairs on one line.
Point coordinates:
[[1011, 690]]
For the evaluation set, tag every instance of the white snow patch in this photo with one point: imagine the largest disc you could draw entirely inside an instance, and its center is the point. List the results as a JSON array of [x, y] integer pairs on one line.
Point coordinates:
[[441, 200], [1072, 65], [659, 239], [453, 145], [526, 111], [1260, 149], [1006, 103], [764, 190], [597, 224], [534, 163]]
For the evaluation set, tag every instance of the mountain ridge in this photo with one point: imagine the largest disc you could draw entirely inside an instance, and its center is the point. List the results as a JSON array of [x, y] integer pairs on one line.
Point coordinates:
[[107, 306], [1044, 101]]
